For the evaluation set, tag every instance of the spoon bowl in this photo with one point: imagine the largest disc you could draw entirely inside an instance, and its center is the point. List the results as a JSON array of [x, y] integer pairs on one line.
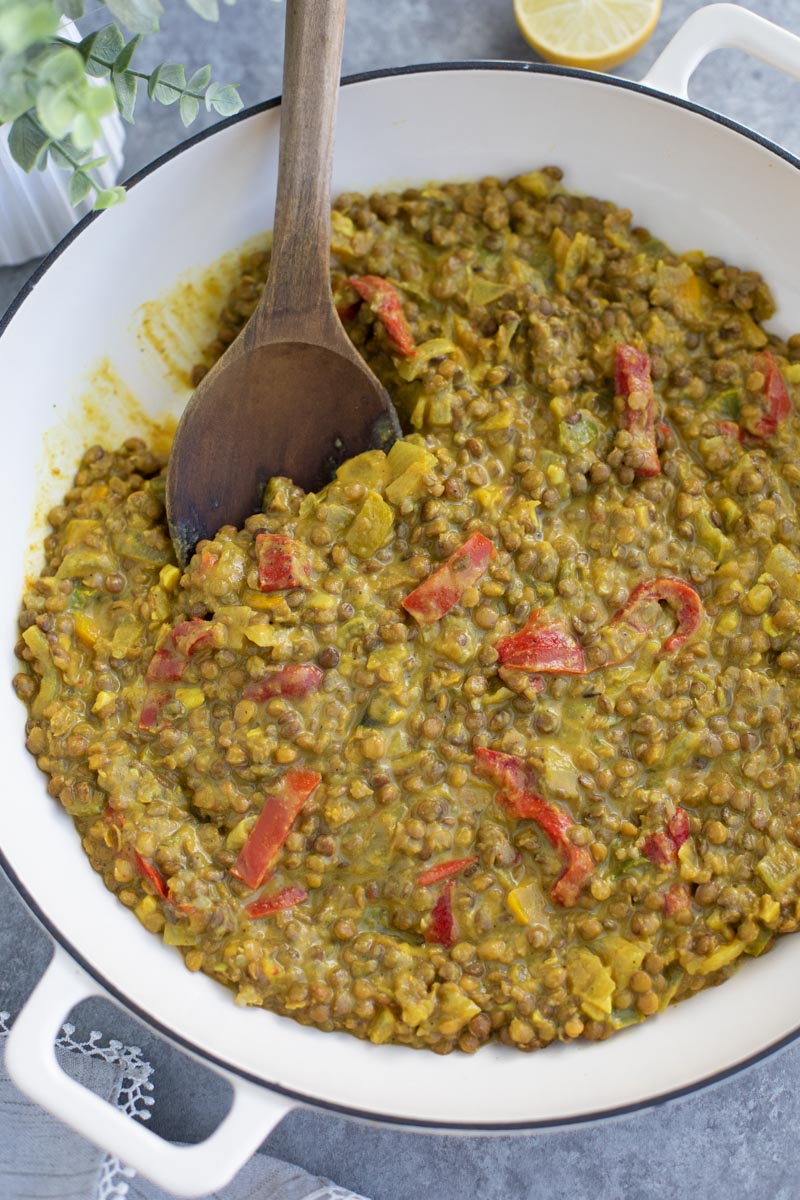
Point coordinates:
[[291, 396], [322, 406]]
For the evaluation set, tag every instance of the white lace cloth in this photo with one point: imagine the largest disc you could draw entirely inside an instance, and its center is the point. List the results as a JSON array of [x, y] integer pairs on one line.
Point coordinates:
[[41, 1159]]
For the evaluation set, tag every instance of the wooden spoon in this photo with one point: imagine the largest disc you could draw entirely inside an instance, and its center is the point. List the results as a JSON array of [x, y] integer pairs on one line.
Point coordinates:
[[290, 396]]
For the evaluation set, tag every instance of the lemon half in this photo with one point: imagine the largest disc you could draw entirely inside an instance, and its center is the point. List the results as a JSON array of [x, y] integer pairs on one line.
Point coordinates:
[[595, 34]]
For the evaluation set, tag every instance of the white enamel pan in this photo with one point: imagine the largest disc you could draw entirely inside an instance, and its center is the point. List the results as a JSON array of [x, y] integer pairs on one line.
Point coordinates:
[[695, 179]]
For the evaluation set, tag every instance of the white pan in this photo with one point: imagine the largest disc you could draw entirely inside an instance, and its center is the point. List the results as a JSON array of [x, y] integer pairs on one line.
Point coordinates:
[[695, 179]]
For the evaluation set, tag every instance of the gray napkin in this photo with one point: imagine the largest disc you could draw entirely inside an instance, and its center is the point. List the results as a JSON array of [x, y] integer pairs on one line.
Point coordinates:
[[41, 1159]]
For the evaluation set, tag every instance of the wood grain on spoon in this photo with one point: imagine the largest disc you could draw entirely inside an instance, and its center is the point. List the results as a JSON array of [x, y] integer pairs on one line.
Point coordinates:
[[291, 396]]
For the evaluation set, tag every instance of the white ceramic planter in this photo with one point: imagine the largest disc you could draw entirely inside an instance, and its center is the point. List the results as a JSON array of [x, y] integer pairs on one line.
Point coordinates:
[[696, 180], [35, 212]]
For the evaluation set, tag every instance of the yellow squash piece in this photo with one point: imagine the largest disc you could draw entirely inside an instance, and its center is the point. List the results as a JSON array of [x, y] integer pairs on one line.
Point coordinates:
[[591, 982], [371, 526]]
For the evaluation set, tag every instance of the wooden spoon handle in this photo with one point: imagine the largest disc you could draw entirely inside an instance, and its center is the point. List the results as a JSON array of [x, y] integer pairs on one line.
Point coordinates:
[[299, 277]]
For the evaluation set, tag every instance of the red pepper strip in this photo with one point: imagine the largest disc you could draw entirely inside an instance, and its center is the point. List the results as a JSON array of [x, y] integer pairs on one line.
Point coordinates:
[[166, 665], [681, 598], [445, 870], [543, 644], [154, 702], [632, 381], [208, 560], [678, 827], [385, 303], [282, 562], [662, 847], [507, 770], [437, 594], [346, 312], [776, 394], [190, 636], [676, 899], [151, 873], [522, 802], [272, 827], [441, 928], [294, 680], [730, 429], [169, 663], [286, 898]]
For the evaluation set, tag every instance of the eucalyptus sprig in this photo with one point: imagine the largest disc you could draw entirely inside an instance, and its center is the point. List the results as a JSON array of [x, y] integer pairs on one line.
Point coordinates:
[[54, 92]]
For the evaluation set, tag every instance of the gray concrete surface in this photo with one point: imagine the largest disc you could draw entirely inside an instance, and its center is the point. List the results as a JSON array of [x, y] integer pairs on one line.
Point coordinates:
[[736, 1141]]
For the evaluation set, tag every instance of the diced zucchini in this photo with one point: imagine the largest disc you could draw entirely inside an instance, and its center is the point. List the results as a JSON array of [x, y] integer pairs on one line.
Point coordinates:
[[381, 1027], [711, 538], [528, 905], [784, 567], [591, 982], [411, 367], [179, 934], [134, 545], [240, 833], [87, 631], [574, 435], [717, 959], [779, 869], [370, 469], [535, 183], [50, 680], [622, 956], [729, 404], [77, 564], [169, 577], [127, 637], [406, 453], [371, 526], [486, 291], [761, 943], [560, 773], [262, 635]]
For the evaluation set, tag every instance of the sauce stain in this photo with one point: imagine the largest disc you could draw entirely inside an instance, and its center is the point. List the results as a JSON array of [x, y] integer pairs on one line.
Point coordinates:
[[171, 332], [173, 329]]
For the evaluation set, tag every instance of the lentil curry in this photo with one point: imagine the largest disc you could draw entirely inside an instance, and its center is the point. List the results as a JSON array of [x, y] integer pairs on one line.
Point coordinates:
[[495, 737]]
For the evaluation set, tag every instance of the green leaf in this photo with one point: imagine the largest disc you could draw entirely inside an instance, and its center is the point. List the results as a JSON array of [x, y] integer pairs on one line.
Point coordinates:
[[124, 58], [27, 142], [25, 23], [56, 109], [72, 9], [85, 130], [140, 16], [207, 9], [167, 83], [92, 164], [79, 186], [108, 197], [16, 92], [125, 88], [224, 99], [63, 156], [189, 107], [200, 80], [60, 66], [101, 48]]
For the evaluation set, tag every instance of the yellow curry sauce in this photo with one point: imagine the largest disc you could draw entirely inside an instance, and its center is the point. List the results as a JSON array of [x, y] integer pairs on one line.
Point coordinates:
[[495, 737]]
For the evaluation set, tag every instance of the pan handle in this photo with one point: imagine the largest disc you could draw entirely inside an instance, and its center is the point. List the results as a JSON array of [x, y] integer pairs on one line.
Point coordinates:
[[182, 1170], [717, 27]]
